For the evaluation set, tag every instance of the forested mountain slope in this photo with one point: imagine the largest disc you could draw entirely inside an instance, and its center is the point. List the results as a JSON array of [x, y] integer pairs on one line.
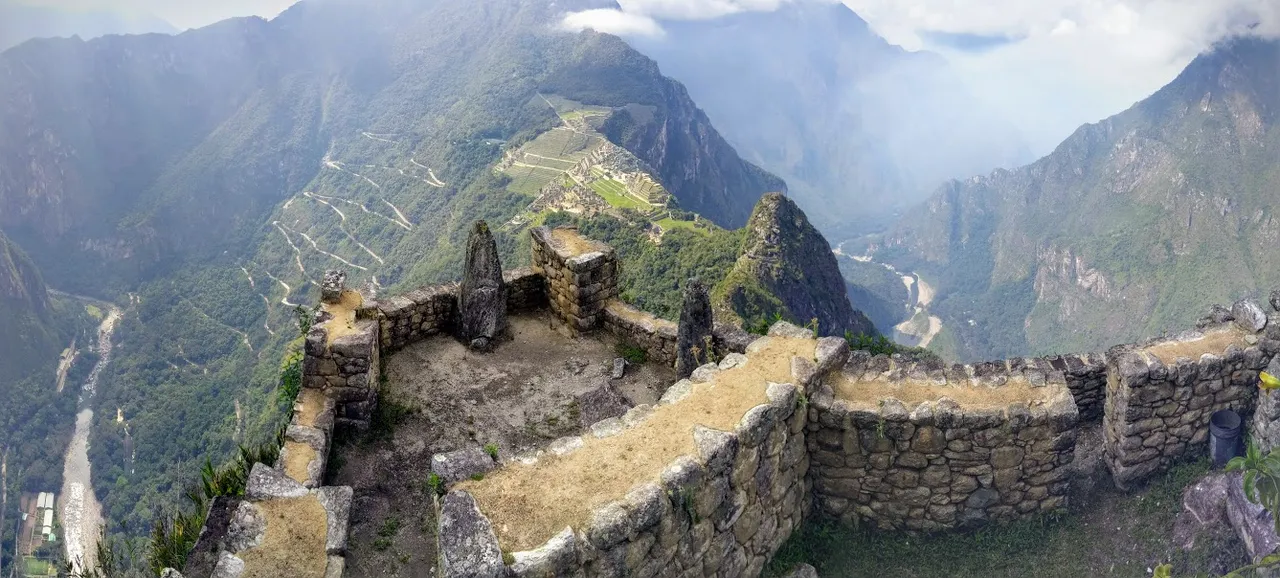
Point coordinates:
[[1130, 228], [205, 181]]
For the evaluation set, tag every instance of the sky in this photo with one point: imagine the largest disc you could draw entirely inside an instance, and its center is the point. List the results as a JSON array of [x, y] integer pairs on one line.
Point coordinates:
[[182, 14], [1051, 65]]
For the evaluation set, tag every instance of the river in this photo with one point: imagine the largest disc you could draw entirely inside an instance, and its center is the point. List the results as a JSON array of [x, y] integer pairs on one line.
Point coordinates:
[[81, 512], [921, 327]]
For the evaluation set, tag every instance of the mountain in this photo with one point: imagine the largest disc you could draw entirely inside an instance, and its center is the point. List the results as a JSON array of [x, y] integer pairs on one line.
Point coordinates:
[[787, 268], [26, 314], [20, 22], [205, 181], [1131, 227], [855, 125]]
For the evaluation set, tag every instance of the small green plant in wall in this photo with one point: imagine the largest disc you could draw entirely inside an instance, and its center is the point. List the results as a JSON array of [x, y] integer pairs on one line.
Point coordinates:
[[492, 450]]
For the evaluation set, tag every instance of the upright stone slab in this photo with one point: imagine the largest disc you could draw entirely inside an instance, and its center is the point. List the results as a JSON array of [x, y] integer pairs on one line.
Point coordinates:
[[482, 299], [331, 288], [694, 338]]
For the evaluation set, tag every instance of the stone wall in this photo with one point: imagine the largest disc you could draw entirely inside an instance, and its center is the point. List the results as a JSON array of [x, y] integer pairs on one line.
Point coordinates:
[[641, 329], [432, 310], [417, 315], [939, 465], [581, 275], [723, 512], [1157, 412], [1086, 377], [346, 370]]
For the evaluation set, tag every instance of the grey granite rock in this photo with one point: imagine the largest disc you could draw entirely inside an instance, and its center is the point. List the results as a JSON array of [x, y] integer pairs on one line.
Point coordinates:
[[1253, 524], [555, 558], [619, 368], [678, 391], [332, 286], [462, 464], [601, 403], [266, 483], [229, 566], [482, 298], [336, 501], [247, 529], [468, 546], [1249, 316], [785, 329], [705, 373], [716, 448], [694, 337]]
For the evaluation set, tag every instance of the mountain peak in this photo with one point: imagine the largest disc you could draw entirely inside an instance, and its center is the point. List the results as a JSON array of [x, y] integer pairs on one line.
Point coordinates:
[[787, 268]]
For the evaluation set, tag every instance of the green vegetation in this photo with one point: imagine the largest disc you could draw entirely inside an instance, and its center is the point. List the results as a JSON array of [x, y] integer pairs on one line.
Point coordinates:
[[492, 450], [633, 354], [1079, 543]]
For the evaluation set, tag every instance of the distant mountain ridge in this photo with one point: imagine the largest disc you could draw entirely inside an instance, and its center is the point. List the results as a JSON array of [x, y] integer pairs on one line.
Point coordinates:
[[855, 125], [1126, 230], [20, 22]]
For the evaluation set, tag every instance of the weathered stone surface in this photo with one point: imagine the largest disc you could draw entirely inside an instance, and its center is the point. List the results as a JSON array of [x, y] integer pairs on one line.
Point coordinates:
[[246, 530], [676, 392], [733, 360], [336, 501], [716, 448], [1204, 507], [551, 559], [462, 464], [1275, 300], [266, 483], [619, 368], [468, 546], [482, 298], [785, 329], [602, 403], [704, 373], [694, 340], [170, 573], [1253, 524], [1266, 419], [562, 446], [802, 571], [831, 353], [332, 286], [1249, 316], [229, 566]]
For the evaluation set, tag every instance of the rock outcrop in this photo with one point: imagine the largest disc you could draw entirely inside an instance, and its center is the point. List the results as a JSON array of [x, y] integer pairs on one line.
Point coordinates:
[[787, 268], [694, 337], [482, 300]]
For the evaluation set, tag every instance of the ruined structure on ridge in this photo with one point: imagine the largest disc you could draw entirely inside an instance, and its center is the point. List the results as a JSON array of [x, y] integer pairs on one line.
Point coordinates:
[[713, 476]]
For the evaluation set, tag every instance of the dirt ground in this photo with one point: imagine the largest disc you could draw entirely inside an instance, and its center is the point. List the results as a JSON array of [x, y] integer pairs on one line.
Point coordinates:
[[443, 397]]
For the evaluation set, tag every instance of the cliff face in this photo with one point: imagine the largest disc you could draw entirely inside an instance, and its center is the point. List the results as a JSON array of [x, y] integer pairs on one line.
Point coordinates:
[[1126, 230], [787, 268], [27, 334]]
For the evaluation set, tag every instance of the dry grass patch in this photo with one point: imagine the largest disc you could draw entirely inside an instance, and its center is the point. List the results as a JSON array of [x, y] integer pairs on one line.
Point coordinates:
[[1215, 342], [913, 393], [294, 544], [344, 315], [310, 404], [570, 241], [530, 504], [296, 459]]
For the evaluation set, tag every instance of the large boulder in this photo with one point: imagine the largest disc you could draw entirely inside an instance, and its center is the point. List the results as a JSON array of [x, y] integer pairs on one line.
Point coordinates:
[[1253, 524], [482, 299], [1249, 316], [1275, 300], [694, 338]]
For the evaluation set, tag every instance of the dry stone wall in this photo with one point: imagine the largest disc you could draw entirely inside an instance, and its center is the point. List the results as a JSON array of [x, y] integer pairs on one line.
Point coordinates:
[[1158, 412], [939, 465], [581, 275], [1086, 377], [346, 370], [723, 512], [655, 335], [433, 310]]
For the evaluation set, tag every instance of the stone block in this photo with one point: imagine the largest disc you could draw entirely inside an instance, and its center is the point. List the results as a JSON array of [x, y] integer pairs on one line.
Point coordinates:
[[468, 547], [462, 464]]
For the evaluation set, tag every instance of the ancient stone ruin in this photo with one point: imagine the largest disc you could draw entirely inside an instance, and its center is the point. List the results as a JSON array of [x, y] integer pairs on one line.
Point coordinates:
[[764, 433]]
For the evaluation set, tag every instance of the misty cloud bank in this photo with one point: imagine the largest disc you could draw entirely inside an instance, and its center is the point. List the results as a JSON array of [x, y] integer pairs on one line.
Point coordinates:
[[1050, 65]]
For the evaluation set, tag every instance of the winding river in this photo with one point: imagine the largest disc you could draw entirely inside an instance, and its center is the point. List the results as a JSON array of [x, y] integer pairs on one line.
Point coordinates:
[[81, 512], [921, 327]]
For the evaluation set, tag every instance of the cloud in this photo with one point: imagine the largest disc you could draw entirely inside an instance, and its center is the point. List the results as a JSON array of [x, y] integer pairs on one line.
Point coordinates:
[[181, 13], [1075, 61], [611, 21]]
